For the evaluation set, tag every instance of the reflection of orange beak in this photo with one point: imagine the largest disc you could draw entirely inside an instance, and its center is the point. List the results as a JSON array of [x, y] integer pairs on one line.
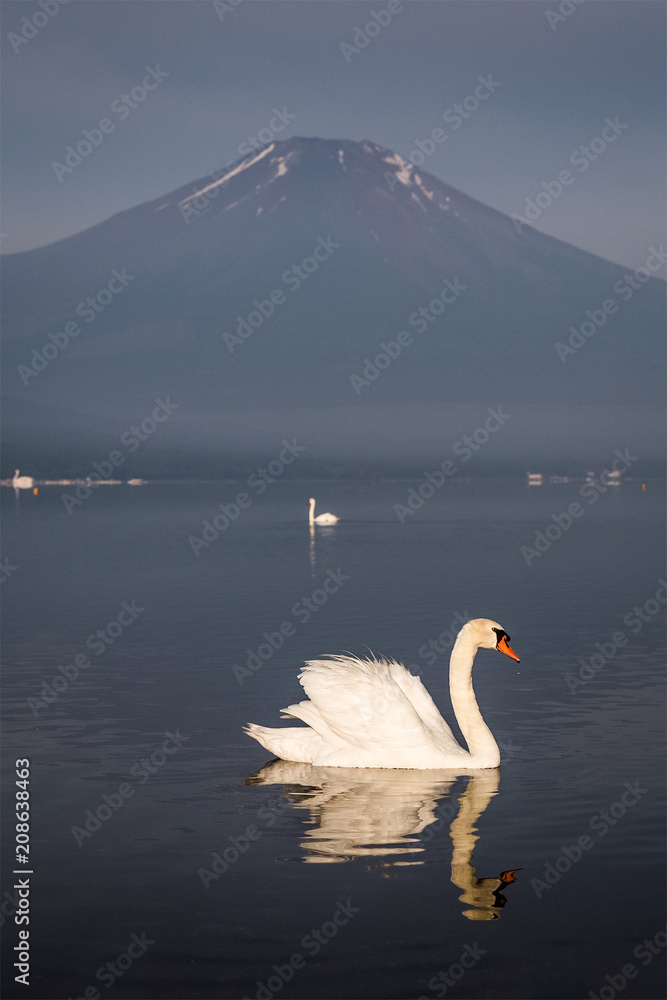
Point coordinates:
[[505, 648]]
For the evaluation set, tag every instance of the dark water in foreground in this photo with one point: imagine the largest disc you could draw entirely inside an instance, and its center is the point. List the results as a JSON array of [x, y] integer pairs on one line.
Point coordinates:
[[336, 883]]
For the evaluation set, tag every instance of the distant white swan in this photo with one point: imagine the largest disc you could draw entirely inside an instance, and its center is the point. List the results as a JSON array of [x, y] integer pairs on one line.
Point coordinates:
[[321, 518], [22, 482], [375, 713]]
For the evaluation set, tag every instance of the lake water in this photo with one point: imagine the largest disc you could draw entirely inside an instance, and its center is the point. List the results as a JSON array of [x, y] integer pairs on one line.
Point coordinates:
[[206, 874]]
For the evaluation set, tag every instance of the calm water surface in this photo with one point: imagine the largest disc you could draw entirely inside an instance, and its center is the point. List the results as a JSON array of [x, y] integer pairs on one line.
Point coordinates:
[[241, 878]]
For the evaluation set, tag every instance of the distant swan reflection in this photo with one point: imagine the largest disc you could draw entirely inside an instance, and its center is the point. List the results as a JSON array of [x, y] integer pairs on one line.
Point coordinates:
[[392, 814]]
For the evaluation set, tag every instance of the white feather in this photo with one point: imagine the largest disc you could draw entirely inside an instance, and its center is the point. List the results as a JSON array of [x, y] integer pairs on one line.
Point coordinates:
[[374, 713]]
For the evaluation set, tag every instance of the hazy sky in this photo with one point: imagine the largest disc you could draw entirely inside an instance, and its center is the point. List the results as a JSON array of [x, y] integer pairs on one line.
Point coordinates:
[[222, 72]]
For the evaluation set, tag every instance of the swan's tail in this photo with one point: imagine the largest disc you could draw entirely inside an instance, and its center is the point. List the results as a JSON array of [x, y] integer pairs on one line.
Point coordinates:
[[262, 735], [298, 743]]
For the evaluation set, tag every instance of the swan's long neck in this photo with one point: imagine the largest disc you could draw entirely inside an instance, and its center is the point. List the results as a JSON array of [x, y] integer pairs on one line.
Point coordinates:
[[311, 513], [477, 734]]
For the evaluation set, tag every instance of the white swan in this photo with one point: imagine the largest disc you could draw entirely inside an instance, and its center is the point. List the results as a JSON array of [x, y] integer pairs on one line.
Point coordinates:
[[375, 713], [321, 518], [22, 482]]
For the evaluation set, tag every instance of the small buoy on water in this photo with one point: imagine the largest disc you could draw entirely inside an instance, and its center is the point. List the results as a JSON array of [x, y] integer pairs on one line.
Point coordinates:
[[643, 486], [35, 490]]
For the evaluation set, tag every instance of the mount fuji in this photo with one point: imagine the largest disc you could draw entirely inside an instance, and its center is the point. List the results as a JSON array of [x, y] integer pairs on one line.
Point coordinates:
[[329, 292]]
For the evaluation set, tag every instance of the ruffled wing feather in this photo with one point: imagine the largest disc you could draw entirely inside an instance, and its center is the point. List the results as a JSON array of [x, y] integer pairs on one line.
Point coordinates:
[[372, 703]]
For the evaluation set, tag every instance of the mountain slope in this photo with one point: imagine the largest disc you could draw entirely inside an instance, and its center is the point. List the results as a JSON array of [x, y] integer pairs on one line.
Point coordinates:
[[255, 296]]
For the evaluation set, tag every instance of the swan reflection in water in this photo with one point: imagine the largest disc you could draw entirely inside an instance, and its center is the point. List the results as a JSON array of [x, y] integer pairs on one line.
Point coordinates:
[[391, 814]]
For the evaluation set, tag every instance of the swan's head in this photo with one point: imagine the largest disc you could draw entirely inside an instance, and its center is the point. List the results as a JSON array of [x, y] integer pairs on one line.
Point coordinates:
[[487, 634], [311, 501]]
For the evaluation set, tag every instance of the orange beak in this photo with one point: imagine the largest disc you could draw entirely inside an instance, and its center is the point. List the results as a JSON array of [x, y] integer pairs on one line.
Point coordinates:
[[505, 648], [508, 877]]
